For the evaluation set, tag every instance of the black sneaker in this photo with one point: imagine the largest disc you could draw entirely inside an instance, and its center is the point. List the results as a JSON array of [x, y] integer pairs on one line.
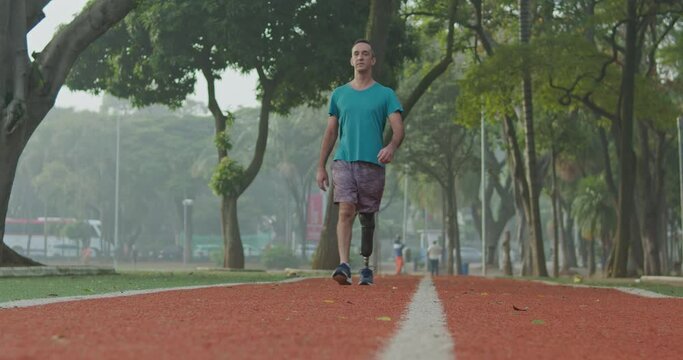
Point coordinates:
[[342, 275], [366, 277]]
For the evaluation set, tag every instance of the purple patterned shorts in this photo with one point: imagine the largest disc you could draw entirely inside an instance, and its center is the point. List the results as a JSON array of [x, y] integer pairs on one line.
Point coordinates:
[[360, 183]]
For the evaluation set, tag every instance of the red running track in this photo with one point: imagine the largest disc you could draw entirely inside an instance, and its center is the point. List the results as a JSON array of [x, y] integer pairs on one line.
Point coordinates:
[[318, 319], [310, 319], [559, 322]]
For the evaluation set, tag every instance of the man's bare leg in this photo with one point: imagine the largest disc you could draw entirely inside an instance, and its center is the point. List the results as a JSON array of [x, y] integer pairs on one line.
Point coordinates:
[[347, 214]]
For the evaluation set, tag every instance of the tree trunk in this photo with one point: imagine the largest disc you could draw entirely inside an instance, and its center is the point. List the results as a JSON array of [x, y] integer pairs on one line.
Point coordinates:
[[521, 192], [556, 218], [649, 203], [533, 211], [507, 262], [569, 243], [619, 263], [302, 212], [453, 250], [377, 32], [505, 208], [591, 256], [233, 256], [327, 254]]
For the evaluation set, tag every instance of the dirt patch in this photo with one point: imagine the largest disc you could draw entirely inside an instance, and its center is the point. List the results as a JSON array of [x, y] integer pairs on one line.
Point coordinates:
[[310, 319], [508, 319]]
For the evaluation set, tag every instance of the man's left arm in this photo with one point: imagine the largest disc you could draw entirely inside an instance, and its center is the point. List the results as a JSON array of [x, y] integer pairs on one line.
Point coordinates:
[[387, 153]]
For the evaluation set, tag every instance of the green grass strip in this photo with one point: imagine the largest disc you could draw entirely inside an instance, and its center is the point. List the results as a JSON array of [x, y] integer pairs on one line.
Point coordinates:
[[664, 289], [23, 288]]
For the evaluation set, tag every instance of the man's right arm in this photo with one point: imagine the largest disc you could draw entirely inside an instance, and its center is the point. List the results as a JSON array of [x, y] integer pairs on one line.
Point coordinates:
[[329, 139]]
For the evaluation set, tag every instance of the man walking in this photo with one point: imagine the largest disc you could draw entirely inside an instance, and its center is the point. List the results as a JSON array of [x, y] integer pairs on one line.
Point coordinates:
[[434, 254], [358, 113]]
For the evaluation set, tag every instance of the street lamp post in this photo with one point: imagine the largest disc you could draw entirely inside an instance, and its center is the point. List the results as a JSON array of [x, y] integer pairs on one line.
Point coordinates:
[[187, 221], [680, 174], [405, 205], [483, 196], [116, 191]]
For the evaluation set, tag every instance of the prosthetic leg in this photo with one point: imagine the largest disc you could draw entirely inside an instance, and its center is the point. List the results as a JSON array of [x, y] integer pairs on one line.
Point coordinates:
[[367, 222]]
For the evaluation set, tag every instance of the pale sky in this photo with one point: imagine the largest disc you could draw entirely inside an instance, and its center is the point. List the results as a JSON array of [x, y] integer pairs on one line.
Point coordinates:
[[233, 91]]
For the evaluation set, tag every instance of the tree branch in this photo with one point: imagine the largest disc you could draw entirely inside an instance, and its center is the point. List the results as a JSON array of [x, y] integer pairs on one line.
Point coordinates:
[[438, 69], [420, 13], [59, 55], [252, 170], [34, 13], [597, 109], [657, 41]]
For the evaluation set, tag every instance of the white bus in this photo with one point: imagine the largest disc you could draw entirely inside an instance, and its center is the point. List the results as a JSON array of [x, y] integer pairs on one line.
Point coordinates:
[[42, 237]]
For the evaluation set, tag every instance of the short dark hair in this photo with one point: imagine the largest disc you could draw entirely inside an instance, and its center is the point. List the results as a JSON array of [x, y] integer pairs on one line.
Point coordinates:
[[364, 41]]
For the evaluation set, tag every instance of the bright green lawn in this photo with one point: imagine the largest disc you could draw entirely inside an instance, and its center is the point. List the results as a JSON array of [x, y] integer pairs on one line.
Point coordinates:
[[56, 286]]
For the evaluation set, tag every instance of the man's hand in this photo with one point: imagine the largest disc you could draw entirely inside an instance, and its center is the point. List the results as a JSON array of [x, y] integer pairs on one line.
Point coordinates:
[[322, 179], [386, 154]]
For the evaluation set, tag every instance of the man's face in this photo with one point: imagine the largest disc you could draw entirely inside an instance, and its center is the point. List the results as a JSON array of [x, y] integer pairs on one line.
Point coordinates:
[[362, 58]]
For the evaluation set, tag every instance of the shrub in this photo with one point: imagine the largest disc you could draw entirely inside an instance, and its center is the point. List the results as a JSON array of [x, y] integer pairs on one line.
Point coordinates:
[[279, 257]]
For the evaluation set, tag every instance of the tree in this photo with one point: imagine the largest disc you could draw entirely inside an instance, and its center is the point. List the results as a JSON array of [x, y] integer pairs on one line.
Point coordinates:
[[294, 153], [577, 61], [29, 87], [595, 216], [442, 150], [533, 210], [275, 39]]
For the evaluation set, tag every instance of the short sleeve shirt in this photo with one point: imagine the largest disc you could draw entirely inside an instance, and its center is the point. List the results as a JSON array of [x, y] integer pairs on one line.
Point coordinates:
[[362, 116], [434, 252]]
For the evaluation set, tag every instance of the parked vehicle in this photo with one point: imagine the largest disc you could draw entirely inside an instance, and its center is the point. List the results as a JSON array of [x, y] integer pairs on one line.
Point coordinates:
[[171, 252], [310, 249], [202, 251]]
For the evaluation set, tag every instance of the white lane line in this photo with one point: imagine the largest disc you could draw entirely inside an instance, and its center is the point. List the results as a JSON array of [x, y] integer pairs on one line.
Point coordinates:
[[47, 301], [423, 333]]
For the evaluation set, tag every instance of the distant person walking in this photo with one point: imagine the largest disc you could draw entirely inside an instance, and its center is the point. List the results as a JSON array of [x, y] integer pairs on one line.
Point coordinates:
[[398, 255], [358, 114], [434, 254]]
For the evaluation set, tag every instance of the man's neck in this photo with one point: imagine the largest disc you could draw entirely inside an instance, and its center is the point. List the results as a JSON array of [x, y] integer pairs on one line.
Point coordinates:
[[362, 80]]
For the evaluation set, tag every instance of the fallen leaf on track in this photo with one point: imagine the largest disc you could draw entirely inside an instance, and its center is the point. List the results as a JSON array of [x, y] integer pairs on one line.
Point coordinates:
[[328, 301], [383, 318], [526, 308], [538, 322], [59, 339]]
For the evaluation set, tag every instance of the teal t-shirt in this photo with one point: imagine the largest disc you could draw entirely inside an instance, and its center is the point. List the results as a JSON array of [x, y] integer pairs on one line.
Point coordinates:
[[362, 115]]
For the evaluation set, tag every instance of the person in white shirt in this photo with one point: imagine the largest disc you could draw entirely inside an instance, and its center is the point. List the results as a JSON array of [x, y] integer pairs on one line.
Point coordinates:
[[434, 254]]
